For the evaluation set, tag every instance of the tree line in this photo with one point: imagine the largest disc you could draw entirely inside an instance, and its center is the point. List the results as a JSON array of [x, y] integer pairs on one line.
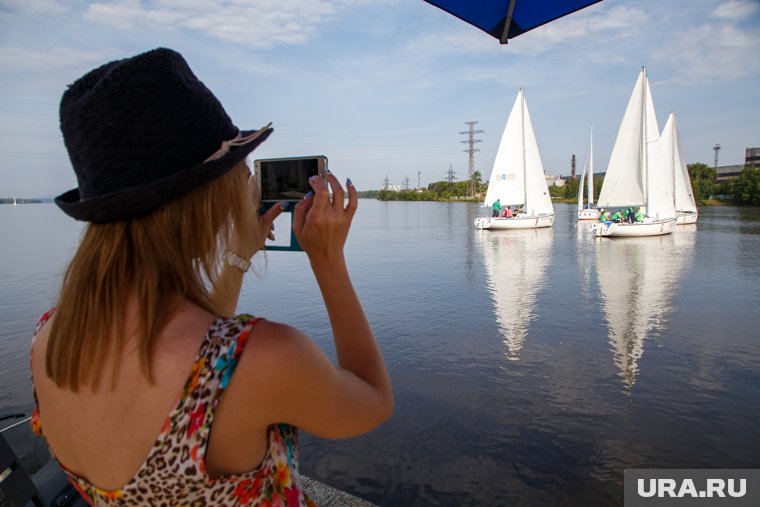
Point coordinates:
[[436, 191], [743, 190]]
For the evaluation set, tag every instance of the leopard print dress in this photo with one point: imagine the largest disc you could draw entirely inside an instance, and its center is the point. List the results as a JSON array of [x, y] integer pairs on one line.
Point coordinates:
[[174, 471]]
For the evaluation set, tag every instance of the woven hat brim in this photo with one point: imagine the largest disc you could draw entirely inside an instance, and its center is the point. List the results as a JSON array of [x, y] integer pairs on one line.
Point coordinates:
[[142, 199]]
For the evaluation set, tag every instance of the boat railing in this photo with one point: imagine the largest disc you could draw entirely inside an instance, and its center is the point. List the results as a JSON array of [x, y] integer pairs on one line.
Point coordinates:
[[28, 472]]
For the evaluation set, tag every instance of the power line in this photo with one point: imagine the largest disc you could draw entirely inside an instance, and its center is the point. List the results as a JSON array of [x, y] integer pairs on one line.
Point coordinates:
[[471, 152], [450, 176]]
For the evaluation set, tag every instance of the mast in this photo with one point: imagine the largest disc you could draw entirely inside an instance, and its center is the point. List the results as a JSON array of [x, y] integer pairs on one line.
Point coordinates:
[[580, 188], [673, 158], [522, 144], [590, 179], [644, 153]]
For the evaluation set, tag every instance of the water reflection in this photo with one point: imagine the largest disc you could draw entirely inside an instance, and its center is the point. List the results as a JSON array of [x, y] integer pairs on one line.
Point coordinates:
[[638, 278], [515, 263], [585, 257]]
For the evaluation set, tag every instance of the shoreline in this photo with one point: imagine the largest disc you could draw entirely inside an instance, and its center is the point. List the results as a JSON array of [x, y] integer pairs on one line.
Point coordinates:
[[560, 200]]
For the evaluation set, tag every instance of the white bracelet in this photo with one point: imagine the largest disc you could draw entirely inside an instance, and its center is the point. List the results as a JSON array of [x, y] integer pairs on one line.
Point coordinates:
[[237, 261]]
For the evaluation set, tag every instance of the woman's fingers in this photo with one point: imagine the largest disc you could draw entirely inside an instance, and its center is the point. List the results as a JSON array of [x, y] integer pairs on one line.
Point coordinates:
[[320, 223], [337, 190], [353, 199], [321, 193], [266, 220], [301, 210]]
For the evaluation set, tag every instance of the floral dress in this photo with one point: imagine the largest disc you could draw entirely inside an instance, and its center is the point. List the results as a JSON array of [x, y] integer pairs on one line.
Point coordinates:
[[174, 472]]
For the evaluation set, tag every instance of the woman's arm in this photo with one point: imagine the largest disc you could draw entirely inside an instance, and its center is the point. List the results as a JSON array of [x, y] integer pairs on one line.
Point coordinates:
[[322, 227], [283, 376], [325, 400], [244, 244]]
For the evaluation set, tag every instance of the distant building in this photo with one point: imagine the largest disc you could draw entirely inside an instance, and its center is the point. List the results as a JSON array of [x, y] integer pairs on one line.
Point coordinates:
[[729, 172], [752, 157], [555, 181]]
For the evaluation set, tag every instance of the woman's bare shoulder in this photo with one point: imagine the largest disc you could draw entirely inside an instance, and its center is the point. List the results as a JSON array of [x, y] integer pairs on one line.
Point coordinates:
[[275, 347]]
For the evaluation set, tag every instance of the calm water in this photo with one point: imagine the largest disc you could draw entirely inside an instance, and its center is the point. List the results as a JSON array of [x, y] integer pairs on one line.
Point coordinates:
[[530, 367]]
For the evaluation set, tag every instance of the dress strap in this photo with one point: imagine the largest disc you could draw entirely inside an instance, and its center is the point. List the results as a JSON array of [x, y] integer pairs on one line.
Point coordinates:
[[36, 424], [189, 424]]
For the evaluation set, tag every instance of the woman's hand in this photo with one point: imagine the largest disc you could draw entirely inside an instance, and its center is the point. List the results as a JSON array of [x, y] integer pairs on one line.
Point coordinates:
[[321, 225], [248, 243], [243, 243], [266, 221]]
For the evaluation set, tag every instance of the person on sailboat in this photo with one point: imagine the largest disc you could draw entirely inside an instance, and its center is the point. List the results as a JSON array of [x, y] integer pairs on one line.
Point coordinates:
[[631, 217], [617, 217], [604, 216], [496, 208], [507, 212], [639, 215], [149, 388]]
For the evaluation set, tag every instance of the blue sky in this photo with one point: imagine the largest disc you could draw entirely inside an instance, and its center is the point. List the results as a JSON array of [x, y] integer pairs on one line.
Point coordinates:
[[383, 87]]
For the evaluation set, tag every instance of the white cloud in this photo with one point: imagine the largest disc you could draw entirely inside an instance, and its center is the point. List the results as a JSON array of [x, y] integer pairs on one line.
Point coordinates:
[[45, 7], [46, 58], [735, 9], [260, 24], [712, 52], [594, 23]]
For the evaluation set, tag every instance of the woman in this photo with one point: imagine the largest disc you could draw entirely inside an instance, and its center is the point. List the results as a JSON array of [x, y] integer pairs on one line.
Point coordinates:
[[148, 390]]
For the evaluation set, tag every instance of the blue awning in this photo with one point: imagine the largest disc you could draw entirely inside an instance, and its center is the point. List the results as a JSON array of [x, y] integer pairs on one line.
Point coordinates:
[[506, 19]]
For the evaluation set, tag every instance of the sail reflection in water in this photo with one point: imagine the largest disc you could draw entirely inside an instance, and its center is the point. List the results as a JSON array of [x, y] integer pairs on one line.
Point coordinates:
[[638, 278], [515, 263]]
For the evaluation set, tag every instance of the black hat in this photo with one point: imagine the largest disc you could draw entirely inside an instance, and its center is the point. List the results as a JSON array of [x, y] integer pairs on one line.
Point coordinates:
[[143, 131]]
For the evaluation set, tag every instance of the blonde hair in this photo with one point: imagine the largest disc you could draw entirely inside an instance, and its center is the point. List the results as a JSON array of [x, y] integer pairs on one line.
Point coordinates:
[[174, 251]]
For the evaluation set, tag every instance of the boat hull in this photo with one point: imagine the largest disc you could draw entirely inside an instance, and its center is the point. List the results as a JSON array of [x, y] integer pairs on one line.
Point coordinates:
[[635, 230], [588, 214], [686, 217], [520, 222]]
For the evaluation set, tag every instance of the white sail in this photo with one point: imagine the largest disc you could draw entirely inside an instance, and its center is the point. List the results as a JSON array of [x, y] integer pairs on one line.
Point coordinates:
[[671, 144], [658, 175], [580, 189], [507, 182], [638, 174], [515, 265], [588, 211], [538, 200], [624, 182], [590, 192], [517, 177]]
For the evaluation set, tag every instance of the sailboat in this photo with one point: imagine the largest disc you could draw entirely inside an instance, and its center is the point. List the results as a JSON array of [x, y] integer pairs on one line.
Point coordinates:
[[588, 212], [686, 207], [637, 175], [14, 200], [517, 178]]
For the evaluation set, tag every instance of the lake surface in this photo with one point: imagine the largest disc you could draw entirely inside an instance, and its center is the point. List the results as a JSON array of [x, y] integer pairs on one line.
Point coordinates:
[[529, 367]]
